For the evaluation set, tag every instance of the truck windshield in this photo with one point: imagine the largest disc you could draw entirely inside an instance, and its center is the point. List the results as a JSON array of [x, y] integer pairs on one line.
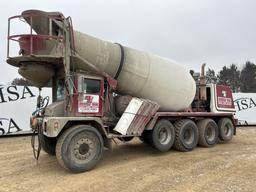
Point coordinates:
[[60, 89]]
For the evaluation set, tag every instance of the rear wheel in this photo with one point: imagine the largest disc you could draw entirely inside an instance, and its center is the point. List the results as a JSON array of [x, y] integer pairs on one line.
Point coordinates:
[[79, 148], [161, 136], [48, 144], [186, 135], [226, 129], [208, 132]]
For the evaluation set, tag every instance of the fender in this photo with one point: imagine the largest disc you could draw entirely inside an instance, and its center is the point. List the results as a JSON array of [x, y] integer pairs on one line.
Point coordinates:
[[53, 126]]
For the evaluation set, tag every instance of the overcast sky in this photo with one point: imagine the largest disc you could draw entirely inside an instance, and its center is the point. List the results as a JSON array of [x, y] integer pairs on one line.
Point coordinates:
[[218, 32]]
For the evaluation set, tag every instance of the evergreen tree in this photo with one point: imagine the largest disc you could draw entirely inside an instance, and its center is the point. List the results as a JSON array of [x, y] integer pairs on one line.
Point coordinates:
[[211, 76], [230, 76], [248, 78]]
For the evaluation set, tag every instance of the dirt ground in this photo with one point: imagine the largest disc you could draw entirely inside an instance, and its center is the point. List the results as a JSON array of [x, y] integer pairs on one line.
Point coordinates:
[[136, 167]]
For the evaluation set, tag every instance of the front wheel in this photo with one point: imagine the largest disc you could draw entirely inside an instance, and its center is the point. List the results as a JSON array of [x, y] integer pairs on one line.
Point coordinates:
[[79, 148]]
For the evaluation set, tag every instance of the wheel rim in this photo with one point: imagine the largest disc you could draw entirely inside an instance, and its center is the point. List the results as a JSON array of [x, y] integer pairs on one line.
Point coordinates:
[[188, 136], [227, 129], [210, 133], [164, 135], [84, 148]]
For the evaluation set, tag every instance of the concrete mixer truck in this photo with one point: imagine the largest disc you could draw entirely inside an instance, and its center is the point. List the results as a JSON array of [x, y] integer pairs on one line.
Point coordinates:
[[103, 91]]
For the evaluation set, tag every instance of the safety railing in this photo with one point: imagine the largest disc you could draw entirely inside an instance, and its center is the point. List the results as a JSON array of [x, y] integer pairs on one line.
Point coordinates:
[[32, 43]]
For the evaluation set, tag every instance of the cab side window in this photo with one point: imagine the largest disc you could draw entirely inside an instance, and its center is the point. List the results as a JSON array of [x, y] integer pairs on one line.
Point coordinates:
[[60, 89], [91, 86]]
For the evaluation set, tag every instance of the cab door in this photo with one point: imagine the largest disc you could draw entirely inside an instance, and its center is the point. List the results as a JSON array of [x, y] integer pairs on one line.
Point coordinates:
[[90, 96]]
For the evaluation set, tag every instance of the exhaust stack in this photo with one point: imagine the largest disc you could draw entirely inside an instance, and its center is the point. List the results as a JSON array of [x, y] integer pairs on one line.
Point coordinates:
[[202, 85]]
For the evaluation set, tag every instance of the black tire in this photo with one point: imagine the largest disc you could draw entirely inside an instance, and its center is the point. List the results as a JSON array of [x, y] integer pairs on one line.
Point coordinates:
[[146, 137], [47, 144], [79, 148], [161, 137], [226, 129], [208, 132], [186, 135]]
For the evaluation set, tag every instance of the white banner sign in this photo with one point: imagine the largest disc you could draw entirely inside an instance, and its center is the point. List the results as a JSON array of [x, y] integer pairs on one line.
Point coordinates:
[[245, 104], [17, 103]]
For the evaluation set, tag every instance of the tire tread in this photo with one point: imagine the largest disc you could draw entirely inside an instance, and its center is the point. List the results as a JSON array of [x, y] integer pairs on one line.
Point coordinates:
[[177, 143], [59, 144]]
